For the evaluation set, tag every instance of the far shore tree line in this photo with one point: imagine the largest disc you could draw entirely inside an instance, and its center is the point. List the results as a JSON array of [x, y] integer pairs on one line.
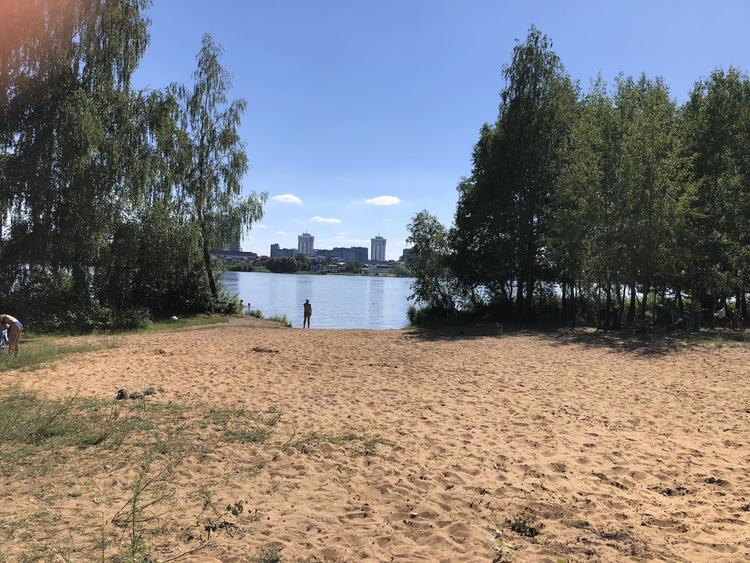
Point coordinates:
[[601, 204], [301, 263], [111, 197]]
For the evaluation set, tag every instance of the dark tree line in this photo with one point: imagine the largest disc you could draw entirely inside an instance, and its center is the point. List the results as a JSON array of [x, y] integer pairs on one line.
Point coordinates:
[[110, 197], [599, 204]]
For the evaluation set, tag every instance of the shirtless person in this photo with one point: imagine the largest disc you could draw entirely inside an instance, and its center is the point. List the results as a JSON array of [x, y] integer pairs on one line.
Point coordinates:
[[15, 328], [307, 313]]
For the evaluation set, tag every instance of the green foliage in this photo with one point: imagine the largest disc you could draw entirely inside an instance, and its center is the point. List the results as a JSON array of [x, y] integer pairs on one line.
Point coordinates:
[[596, 205], [240, 267], [284, 265], [257, 313], [215, 158], [111, 196], [400, 270], [303, 263], [434, 281], [423, 316], [353, 267]]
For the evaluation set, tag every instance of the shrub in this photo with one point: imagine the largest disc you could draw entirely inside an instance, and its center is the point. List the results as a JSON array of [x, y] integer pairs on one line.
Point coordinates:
[[420, 316], [281, 319]]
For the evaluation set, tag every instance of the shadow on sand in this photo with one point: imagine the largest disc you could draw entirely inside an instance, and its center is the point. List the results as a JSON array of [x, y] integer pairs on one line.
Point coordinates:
[[626, 341]]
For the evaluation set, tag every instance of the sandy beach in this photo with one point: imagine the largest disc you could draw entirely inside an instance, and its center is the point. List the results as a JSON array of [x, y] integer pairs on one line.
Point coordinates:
[[332, 445]]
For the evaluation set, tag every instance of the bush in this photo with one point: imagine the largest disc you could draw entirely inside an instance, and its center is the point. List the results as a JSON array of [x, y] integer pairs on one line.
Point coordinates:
[[131, 319], [257, 313], [420, 316], [227, 305], [284, 265]]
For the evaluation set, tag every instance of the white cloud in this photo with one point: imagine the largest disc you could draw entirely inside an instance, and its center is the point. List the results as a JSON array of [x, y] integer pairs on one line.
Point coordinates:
[[287, 198], [383, 200], [260, 226], [327, 220], [281, 233]]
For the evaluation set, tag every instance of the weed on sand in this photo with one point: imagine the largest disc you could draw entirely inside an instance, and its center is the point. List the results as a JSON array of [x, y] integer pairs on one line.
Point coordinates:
[[357, 444], [42, 350]]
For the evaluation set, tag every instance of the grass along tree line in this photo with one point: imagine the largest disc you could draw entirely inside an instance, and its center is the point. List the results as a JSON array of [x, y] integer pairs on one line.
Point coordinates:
[[600, 204], [110, 197]]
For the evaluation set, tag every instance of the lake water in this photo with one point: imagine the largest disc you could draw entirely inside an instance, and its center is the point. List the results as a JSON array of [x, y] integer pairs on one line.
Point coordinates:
[[338, 301]]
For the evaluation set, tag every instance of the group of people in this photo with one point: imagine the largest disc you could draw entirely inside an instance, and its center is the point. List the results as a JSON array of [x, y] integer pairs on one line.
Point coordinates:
[[14, 328], [306, 311]]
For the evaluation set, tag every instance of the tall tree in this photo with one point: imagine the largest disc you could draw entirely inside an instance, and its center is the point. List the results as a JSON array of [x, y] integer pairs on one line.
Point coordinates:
[[217, 159]]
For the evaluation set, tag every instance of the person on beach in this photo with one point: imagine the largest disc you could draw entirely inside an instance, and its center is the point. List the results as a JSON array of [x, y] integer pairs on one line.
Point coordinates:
[[242, 307], [307, 310], [15, 328]]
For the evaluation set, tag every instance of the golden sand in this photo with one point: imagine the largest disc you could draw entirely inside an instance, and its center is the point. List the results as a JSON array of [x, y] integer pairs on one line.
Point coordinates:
[[390, 446]]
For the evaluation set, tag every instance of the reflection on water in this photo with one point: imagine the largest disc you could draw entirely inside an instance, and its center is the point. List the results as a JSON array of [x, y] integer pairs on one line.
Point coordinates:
[[338, 301]]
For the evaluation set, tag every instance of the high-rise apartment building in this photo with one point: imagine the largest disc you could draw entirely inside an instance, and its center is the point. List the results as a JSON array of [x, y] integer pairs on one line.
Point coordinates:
[[278, 252], [305, 244], [377, 249]]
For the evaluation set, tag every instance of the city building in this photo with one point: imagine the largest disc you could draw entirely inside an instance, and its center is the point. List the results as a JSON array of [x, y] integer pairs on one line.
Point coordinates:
[[406, 255], [377, 251], [305, 244], [233, 252], [352, 254], [278, 252]]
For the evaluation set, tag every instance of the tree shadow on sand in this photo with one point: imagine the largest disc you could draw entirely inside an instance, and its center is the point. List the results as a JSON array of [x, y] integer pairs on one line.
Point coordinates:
[[625, 341]]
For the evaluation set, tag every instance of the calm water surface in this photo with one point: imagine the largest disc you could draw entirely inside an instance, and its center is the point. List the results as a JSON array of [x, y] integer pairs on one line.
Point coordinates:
[[338, 301]]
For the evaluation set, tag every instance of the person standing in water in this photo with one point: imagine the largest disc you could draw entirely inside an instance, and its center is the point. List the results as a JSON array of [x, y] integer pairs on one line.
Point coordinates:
[[15, 328], [307, 310]]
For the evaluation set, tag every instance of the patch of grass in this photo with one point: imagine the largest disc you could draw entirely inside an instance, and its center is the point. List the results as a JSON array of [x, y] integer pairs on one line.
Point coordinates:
[[359, 443], [38, 351], [233, 423], [187, 322], [34, 428], [281, 319], [251, 435], [269, 555], [257, 313]]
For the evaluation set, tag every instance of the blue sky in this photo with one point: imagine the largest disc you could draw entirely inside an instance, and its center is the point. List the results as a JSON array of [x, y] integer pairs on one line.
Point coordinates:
[[351, 100]]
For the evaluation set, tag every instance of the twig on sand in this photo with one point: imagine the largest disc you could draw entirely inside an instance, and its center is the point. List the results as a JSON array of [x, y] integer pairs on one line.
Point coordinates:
[[189, 552]]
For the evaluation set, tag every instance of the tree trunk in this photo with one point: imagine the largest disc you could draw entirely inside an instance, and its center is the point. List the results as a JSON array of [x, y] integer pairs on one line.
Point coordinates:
[[680, 305], [633, 303], [653, 307], [644, 303], [209, 271], [519, 300], [743, 306], [696, 311], [608, 311]]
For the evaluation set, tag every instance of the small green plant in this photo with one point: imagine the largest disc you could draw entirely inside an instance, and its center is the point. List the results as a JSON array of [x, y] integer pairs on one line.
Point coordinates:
[[257, 313], [133, 515], [269, 555], [282, 319], [251, 435], [360, 444]]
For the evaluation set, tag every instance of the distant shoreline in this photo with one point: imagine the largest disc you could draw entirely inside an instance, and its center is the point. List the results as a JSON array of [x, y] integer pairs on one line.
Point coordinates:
[[308, 273]]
